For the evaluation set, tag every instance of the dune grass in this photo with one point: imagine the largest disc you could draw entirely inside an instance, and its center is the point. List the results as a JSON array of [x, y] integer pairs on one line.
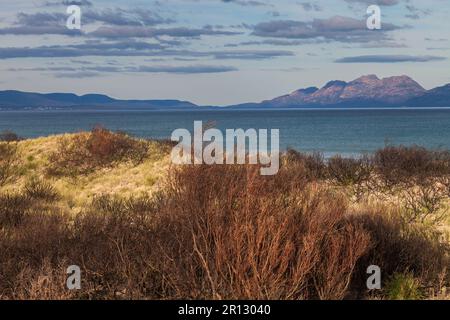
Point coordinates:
[[124, 178]]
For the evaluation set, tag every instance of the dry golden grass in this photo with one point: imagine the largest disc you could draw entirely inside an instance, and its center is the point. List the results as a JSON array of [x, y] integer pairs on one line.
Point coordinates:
[[125, 179]]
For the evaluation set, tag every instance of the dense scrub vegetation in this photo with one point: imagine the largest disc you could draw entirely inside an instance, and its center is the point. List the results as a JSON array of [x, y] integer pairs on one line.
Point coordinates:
[[226, 232]]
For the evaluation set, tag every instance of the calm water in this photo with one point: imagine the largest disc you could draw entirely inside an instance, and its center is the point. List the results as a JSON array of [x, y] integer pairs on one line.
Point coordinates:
[[328, 131]]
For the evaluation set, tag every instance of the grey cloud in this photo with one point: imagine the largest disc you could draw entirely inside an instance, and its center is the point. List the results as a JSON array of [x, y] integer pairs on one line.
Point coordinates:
[[388, 59], [377, 2], [42, 23], [69, 72], [186, 69], [85, 3], [132, 49], [122, 17], [77, 2], [252, 3], [35, 30], [117, 17], [146, 32], [337, 28], [83, 62], [277, 42], [310, 6], [77, 75], [252, 55], [124, 49], [40, 19], [416, 13]]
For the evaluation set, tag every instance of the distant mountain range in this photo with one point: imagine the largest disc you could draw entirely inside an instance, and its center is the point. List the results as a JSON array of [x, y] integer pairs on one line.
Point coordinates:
[[18, 100], [364, 92]]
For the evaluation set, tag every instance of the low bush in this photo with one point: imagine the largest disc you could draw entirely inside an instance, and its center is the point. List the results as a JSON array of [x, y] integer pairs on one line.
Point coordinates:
[[403, 287], [401, 247], [40, 190], [314, 163], [407, 165], [9, 136], [425, 202], [85, 152], [353, 173]]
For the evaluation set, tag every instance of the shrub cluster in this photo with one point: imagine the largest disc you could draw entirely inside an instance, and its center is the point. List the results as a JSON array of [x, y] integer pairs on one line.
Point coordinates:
[[215, 232], [226, 232], [418, 177], [85, 152]]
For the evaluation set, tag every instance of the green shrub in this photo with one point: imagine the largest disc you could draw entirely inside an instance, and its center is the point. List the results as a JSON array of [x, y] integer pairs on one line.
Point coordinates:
[[38, 189], [403, 286]]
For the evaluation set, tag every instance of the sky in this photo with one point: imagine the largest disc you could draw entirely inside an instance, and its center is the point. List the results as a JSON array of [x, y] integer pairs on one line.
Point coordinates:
[[217, 52]]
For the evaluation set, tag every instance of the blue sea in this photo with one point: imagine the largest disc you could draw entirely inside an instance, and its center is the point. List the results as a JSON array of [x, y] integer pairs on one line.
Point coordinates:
[[347, 132]]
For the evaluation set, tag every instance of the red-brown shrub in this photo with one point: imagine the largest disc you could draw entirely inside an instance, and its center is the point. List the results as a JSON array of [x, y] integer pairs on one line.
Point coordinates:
[[409, 165], [84, 152], [254, 237]]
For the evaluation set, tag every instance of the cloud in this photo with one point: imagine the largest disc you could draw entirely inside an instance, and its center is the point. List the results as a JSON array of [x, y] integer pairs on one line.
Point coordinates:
[[34, 30], [122, 17], [252, 54], [114, 17], [121, 49], [388, 59], [138, 20], [146, 32], [277, 42], [133, 49], [40, 19], [310, 6], [337, 28], [77, 75], [252, 3], [85, 3], [76, 2], [416, 13], [377, 2], [187, 69], [92, 71]]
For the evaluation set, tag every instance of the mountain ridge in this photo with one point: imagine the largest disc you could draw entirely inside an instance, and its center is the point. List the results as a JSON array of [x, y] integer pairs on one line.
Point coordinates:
[[367, 91], [13, 99]]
